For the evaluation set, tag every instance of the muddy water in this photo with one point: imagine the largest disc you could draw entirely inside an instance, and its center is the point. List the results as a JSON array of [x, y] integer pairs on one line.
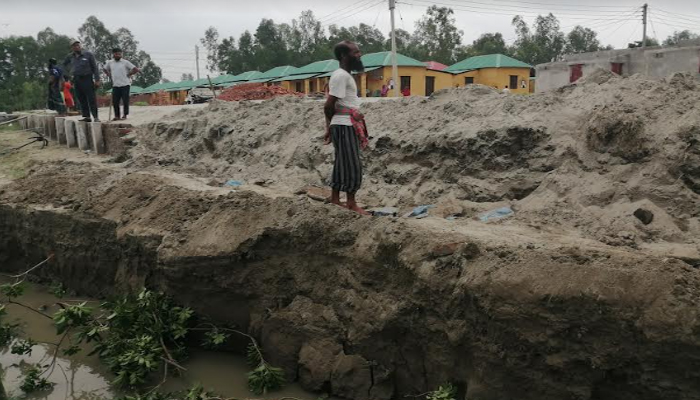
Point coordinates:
[[82, 377]]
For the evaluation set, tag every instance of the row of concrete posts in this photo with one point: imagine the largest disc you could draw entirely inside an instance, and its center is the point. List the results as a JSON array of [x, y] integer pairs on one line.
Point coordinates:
[[69, 132]]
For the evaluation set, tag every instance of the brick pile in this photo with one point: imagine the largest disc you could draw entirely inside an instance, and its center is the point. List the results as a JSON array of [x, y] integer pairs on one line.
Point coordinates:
[[254, 91]]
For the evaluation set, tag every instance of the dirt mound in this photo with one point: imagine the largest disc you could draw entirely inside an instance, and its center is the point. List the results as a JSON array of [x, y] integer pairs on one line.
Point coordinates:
[[254, 91], [574, 159]]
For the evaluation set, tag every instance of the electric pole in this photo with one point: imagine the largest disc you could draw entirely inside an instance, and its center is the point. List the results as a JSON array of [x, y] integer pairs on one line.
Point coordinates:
[[645, 9], [196, 57], [394, 66]]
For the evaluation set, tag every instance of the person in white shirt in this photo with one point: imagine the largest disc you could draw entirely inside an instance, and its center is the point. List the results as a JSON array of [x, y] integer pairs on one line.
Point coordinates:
[[120, 72], [506, 90], [345, 126]]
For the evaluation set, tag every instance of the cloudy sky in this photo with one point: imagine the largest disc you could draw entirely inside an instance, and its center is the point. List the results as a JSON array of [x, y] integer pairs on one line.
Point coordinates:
[[169, 29]]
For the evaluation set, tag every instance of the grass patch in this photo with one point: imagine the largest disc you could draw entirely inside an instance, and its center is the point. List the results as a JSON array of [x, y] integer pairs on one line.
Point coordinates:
[[13, 165]]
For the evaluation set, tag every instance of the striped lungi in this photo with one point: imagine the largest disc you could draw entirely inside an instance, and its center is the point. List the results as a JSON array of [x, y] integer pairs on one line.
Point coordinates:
[[347, 170]]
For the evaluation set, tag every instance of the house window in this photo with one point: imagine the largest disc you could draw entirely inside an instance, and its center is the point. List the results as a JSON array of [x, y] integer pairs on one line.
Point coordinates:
[[576, 72], [469, 80], [513, 84], [405, 82], [429, 85], [616, 68]]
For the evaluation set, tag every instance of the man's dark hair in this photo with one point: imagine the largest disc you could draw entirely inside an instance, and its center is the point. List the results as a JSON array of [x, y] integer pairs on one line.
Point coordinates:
[[116, 50], [342, 49]]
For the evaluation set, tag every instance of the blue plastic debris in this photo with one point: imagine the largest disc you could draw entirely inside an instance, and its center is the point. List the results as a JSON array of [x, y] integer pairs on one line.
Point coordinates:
[[420, 211], [233, 183], [498, 213]]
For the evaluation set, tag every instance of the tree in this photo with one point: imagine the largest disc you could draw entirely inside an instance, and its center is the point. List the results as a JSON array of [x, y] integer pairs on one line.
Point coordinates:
[[21, 74], [582, 40], [186, 77], [269, 49], [125, 40], [436, 35], [677, 37], [150, 72], [305, 38], [543, 45], [97, 38], [488, 43], [210, 41], [246, 52]]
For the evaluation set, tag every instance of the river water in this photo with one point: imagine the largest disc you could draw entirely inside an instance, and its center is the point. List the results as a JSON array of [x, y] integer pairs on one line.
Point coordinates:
[[82, 377]]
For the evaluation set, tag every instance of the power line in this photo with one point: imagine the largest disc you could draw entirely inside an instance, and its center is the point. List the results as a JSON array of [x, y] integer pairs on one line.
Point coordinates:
[[689, 17], [530, 9], [337, 11], [550, 5], [676, 24], [340, 13], [478, 10], [336, 20]]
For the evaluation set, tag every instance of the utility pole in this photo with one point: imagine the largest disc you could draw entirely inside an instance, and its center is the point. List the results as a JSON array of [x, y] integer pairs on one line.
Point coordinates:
[[196, 57], [645, 9], [394, 66]]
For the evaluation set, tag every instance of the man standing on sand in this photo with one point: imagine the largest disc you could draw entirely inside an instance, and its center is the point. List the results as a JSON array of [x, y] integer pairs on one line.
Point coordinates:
[[345, 125], [120, 72], [83, 68]]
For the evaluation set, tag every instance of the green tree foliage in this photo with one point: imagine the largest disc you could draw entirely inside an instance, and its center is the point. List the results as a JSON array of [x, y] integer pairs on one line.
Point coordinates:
[[211, 45], [436, 36], [95, 37], [679, 36], [488, 43], [582, 40], [186, 77], [544, 44]]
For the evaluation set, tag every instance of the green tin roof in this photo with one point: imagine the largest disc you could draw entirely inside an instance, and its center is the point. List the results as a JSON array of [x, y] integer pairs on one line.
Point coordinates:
[[318, 67], [296, 77], [278, 72], [223, 79], [327, 74], [383, 59], [487, 61], [248, 75]]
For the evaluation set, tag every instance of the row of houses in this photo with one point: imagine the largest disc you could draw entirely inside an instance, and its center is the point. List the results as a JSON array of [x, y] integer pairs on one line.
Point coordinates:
[[416, 78]]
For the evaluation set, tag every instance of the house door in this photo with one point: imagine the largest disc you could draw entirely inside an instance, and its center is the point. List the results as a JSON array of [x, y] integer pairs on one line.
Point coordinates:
[[513, 83], [429, 85], [616, 68], [299, 86], [576, 72], [312, 86]]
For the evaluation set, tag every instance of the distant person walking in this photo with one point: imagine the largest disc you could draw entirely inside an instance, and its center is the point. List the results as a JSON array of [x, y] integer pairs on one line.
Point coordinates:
[[345, 126], [86, 77], [120, 72], [55, 99]]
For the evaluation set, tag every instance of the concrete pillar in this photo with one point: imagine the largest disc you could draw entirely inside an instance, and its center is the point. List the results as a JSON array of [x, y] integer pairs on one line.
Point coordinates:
[[51, 125], [81, 133], [45, 126], [98, 143], [60, 124], [69, 127]]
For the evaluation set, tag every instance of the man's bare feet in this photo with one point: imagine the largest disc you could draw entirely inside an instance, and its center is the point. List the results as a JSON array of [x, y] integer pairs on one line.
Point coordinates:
[[358, 209]]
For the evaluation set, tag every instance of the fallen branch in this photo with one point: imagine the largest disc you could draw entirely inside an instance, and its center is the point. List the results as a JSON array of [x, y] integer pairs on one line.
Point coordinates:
[[13, 120], [30, 269]]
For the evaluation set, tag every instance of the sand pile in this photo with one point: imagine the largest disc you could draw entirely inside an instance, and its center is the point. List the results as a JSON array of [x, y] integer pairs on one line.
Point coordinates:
[[577, 161], [254, 91]]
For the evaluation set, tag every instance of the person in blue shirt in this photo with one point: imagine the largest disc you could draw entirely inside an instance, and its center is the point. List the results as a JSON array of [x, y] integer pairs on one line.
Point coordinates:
[[55, 101], [86, 78]]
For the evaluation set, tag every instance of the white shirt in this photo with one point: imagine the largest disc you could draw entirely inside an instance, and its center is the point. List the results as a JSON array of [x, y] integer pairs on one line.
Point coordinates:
[[342, 85], [119, 71]]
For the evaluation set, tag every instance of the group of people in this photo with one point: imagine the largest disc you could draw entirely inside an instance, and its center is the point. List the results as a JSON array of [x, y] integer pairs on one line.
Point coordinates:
[[81, 66]]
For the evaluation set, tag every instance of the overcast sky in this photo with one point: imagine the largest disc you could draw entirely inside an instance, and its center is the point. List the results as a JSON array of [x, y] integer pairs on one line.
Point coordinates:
[[169, 29]]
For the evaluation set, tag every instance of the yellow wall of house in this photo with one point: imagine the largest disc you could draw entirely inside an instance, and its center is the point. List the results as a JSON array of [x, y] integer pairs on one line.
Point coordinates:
[[497, 77], [443, 80]]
